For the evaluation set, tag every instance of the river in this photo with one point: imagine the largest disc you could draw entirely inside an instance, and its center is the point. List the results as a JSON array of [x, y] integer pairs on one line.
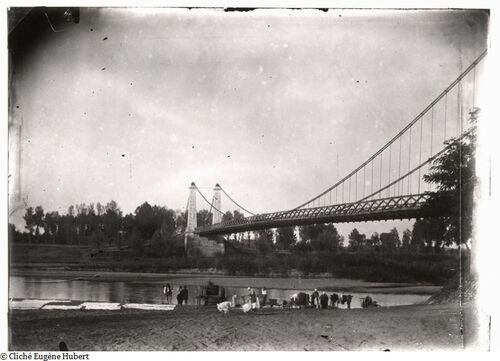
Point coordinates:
[[150, 291]]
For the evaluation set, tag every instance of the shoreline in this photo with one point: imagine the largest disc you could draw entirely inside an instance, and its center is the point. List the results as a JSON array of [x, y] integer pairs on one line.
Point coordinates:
[[322, 283]]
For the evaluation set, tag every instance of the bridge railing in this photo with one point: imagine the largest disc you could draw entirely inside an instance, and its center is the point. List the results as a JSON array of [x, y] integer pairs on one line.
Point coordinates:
[[348, 211]]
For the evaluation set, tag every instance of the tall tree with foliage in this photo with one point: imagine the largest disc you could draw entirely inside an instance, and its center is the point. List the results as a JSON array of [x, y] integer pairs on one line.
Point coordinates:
[[285, 237], [264, 240], [390, 241], [453, 173], [38, 219], [406, 240], [374, 241], [321, 237], [357, 240]]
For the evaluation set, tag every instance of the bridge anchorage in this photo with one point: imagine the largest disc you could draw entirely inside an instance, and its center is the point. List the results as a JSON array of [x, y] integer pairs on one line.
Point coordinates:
[[387, 186]]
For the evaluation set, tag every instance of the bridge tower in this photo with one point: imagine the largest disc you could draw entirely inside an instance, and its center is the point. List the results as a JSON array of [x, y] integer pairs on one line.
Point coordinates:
[[191, 214], [217, 204]]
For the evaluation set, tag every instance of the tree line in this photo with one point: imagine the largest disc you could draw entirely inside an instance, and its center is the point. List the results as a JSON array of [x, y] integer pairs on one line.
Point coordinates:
[[100, 225]]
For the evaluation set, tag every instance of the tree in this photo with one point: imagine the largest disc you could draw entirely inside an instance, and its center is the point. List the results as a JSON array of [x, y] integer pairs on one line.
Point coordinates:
[[302, 246], [395, 235], [166, 221], [285, 237], [38, 220], [52, 222], [357, 240], [406, 239], [145, 221], [310, 232], [427, 233], [111, 220], [96, 238], [322, 237], [29, 219], [264, 241], [227, 217], [180, 222], [100, 209], [238, 216], [136, 241], [374, 241], [453, 173], [390, 241], [204, 218]]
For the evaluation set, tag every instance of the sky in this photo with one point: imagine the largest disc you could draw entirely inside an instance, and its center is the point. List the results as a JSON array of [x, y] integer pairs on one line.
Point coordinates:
[[133, 105]]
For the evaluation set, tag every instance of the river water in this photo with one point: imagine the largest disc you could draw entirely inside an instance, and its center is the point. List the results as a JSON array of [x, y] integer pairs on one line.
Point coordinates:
[[22, 287]]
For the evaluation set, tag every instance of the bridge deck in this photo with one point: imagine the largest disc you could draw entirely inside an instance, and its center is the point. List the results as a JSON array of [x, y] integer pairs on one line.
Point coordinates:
[[401, 207]]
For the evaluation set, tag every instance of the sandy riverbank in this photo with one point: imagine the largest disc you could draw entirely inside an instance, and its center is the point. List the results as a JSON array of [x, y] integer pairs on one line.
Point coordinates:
[[417, 327], [323, 283]]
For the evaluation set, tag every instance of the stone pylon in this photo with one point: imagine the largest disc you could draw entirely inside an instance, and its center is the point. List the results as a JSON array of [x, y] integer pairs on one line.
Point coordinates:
[[217, 204], [191, 214]]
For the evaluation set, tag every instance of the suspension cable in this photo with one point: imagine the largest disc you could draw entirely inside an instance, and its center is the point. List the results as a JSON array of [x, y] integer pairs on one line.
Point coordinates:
[[349, 189], [356, 187], [409, 165], [430, 159], [380, 195], [418, 117], [399, 166], [372, 176], [390, 159], [364, 182], [420, 153], [474, 89], [227, 195], [445, 116], [206, 200], [432, 138]]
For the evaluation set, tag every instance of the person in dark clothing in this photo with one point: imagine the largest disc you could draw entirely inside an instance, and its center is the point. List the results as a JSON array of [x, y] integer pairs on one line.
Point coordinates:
[[302, 299], [222, 294], [343, 299], [334, 298], [349, 299], [180, 296], [185, 295], [367, 302], [323, 300]]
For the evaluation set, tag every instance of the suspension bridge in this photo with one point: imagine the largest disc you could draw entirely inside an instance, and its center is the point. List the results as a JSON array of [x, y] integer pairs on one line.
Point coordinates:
[[387, 186]]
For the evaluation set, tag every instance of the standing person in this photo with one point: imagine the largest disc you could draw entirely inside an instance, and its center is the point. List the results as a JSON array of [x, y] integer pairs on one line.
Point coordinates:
[[180, 296], [334, 298], [315, 298], [323, 300], [349, 299], [253, 298], [185, 295], [264, 296], [167, 291]]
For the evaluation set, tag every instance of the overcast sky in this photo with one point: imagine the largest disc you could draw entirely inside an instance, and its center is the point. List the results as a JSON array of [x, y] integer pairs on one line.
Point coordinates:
[[276, 106]]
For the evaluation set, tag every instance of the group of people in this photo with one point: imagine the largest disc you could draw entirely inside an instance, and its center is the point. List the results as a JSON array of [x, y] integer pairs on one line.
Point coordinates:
[[301, 299], [182, 295], [321, 301], [256, 301]]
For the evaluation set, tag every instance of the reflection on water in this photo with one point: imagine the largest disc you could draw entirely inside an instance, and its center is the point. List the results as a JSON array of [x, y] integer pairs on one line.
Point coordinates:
[[150, 292]]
